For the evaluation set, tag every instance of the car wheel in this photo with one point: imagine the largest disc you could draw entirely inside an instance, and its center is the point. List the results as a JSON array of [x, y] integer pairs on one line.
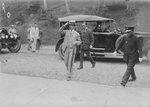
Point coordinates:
[[60, 52], [15, 47], [148, 55]]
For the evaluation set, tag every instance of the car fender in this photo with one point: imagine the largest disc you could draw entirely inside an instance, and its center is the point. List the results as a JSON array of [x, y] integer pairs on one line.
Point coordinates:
[[60, 41]]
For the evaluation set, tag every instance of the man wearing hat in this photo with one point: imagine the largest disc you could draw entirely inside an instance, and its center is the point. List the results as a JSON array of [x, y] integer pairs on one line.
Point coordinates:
[[71, 40], [87, 42], [33, 35], [132, 54]]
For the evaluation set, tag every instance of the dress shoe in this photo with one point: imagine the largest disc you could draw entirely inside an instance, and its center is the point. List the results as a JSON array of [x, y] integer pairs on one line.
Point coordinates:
[[93, 65], [123, 84], [131, 80], [68, 78], [80, 68]]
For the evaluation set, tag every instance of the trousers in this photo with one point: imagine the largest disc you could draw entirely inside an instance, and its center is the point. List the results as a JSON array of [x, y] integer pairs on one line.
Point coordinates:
[[69, 56], [87, 52], [130, 70]]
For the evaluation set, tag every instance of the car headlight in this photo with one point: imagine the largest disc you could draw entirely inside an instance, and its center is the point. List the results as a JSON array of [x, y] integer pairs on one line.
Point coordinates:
[[3, 36], [15, 36], [6, 36], [11, 36]]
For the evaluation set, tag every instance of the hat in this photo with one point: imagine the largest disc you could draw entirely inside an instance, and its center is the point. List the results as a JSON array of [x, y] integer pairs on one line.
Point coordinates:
[[84, 23], [72, 22], [129, 29], [12, 25]]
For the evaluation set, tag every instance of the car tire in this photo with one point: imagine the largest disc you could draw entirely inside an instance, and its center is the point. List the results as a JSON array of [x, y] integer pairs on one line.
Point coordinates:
[[148, 55], [16, 47]]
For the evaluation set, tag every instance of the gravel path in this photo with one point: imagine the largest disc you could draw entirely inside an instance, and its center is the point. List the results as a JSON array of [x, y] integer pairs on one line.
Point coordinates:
[[47, 64]]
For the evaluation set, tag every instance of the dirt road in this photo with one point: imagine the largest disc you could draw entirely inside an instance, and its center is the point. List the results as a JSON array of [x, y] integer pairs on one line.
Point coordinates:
[[46, 63]]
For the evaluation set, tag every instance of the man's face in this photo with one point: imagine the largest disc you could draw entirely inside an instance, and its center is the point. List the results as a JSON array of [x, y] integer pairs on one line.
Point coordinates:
[[84, 25], [71, 27]]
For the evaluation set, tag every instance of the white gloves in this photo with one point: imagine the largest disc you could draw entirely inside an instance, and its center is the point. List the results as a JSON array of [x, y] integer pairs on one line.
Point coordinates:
[[91, 46]]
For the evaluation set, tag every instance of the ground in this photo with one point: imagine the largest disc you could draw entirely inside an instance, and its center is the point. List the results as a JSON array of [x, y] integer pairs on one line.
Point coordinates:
[[47, 64]]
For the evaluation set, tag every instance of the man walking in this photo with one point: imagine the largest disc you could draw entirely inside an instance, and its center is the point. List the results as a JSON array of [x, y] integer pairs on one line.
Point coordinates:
[[69, 45], [132, 54], [87, 42]]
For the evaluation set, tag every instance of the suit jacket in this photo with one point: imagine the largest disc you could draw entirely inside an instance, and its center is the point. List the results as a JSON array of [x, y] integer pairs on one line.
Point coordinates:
[[71, 39], [87, 39], [132, 47]]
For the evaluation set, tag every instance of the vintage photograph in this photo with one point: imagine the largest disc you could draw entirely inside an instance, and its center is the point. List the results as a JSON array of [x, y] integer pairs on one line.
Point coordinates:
[[74, 53]]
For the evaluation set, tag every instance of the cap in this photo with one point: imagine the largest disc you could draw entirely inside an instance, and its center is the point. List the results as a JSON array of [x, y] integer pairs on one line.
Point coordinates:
[[127, 31], [84, 23], [12, 25], [130, 28], [72, 22]]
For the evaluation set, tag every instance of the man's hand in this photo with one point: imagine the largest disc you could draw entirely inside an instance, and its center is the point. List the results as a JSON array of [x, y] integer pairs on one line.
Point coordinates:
[[91, 46], [115, 53], [140, 59]]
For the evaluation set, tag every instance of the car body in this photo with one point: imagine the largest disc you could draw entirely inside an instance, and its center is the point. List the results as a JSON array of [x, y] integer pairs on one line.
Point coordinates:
[[105, 42], [11, 42]]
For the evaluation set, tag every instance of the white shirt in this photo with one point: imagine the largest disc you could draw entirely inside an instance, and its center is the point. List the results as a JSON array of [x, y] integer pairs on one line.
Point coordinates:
[[34, 32]]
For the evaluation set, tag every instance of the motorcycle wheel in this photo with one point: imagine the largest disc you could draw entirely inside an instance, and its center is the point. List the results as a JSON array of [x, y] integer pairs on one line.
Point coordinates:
[[15, 47]]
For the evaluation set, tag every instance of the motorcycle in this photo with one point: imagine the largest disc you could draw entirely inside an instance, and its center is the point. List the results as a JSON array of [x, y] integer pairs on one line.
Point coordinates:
[[9, 41]]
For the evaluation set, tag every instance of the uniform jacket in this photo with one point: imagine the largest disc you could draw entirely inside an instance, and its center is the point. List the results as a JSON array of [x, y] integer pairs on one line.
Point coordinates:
[[87, 39], [132, 47], [72, 38]]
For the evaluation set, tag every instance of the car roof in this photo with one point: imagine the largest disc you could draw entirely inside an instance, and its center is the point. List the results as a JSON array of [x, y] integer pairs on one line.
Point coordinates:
[[86, 18]]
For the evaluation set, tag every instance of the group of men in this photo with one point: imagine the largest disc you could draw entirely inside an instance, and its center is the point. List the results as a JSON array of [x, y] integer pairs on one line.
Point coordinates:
[[72, 39]]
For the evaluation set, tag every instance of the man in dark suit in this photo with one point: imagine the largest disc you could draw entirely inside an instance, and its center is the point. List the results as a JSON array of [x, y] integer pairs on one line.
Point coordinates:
[[87, 42], [132, 54]]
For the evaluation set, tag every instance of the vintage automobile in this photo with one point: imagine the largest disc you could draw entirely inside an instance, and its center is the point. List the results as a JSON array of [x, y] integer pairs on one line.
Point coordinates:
[[11, 42], [105, 41]]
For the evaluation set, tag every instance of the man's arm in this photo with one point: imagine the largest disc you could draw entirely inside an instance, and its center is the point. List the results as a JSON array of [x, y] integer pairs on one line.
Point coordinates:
[[62, 28]]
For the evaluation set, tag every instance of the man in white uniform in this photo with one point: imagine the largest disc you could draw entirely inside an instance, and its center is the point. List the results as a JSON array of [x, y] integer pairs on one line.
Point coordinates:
[[33, 36]]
